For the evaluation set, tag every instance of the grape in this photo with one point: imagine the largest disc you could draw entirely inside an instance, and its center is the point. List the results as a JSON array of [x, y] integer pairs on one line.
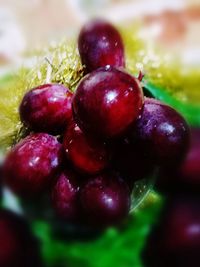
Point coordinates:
[[107, 102], [99, 45], [129, 160], [189, 171], [17, 247], [186, 176], [65, 196], [86, 154], [47, 108], [175, 241], [162, 133], [105, 200], [31, 165]]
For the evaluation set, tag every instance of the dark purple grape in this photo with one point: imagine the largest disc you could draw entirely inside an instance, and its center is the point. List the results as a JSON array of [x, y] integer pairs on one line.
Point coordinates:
[[105, 200], [47, 108], [32, 164], [107, 102], [100, 44], [175, 241], [162, 133], [129, 160], [186, 176], [87, 155], [18, 248], [189, 171], [65, 196]]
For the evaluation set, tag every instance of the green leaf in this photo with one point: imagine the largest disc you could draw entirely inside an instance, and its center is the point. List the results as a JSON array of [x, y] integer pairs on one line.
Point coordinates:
[[190, 111], [115, 247]]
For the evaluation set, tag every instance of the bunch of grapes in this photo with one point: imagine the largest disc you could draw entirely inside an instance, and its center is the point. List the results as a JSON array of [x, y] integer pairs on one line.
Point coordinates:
[[86, 149]]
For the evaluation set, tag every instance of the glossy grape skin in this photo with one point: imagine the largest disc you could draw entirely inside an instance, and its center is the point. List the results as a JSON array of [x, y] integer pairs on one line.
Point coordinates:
[[105, 200], [47, 108], [175, 241], [162, 133], [106, 102], [32, 164], [87, 155], [65, 196], [100, 44], [17, 247]]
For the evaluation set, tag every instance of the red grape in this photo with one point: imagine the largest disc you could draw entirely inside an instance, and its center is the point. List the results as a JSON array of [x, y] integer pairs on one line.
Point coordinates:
[[99, 45], [87, 155], [17, 247], [162, 133], [107, 102], [186, 176], [175, 241], [47, 108], [65, 196], [105, 199], [31, 165]]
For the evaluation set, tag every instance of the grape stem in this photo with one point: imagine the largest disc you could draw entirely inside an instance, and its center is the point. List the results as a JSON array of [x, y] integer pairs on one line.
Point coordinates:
[[141, 76]]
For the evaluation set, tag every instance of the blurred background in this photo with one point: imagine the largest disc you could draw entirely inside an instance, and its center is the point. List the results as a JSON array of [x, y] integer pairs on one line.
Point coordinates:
[[32, 24], [169, 34]]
